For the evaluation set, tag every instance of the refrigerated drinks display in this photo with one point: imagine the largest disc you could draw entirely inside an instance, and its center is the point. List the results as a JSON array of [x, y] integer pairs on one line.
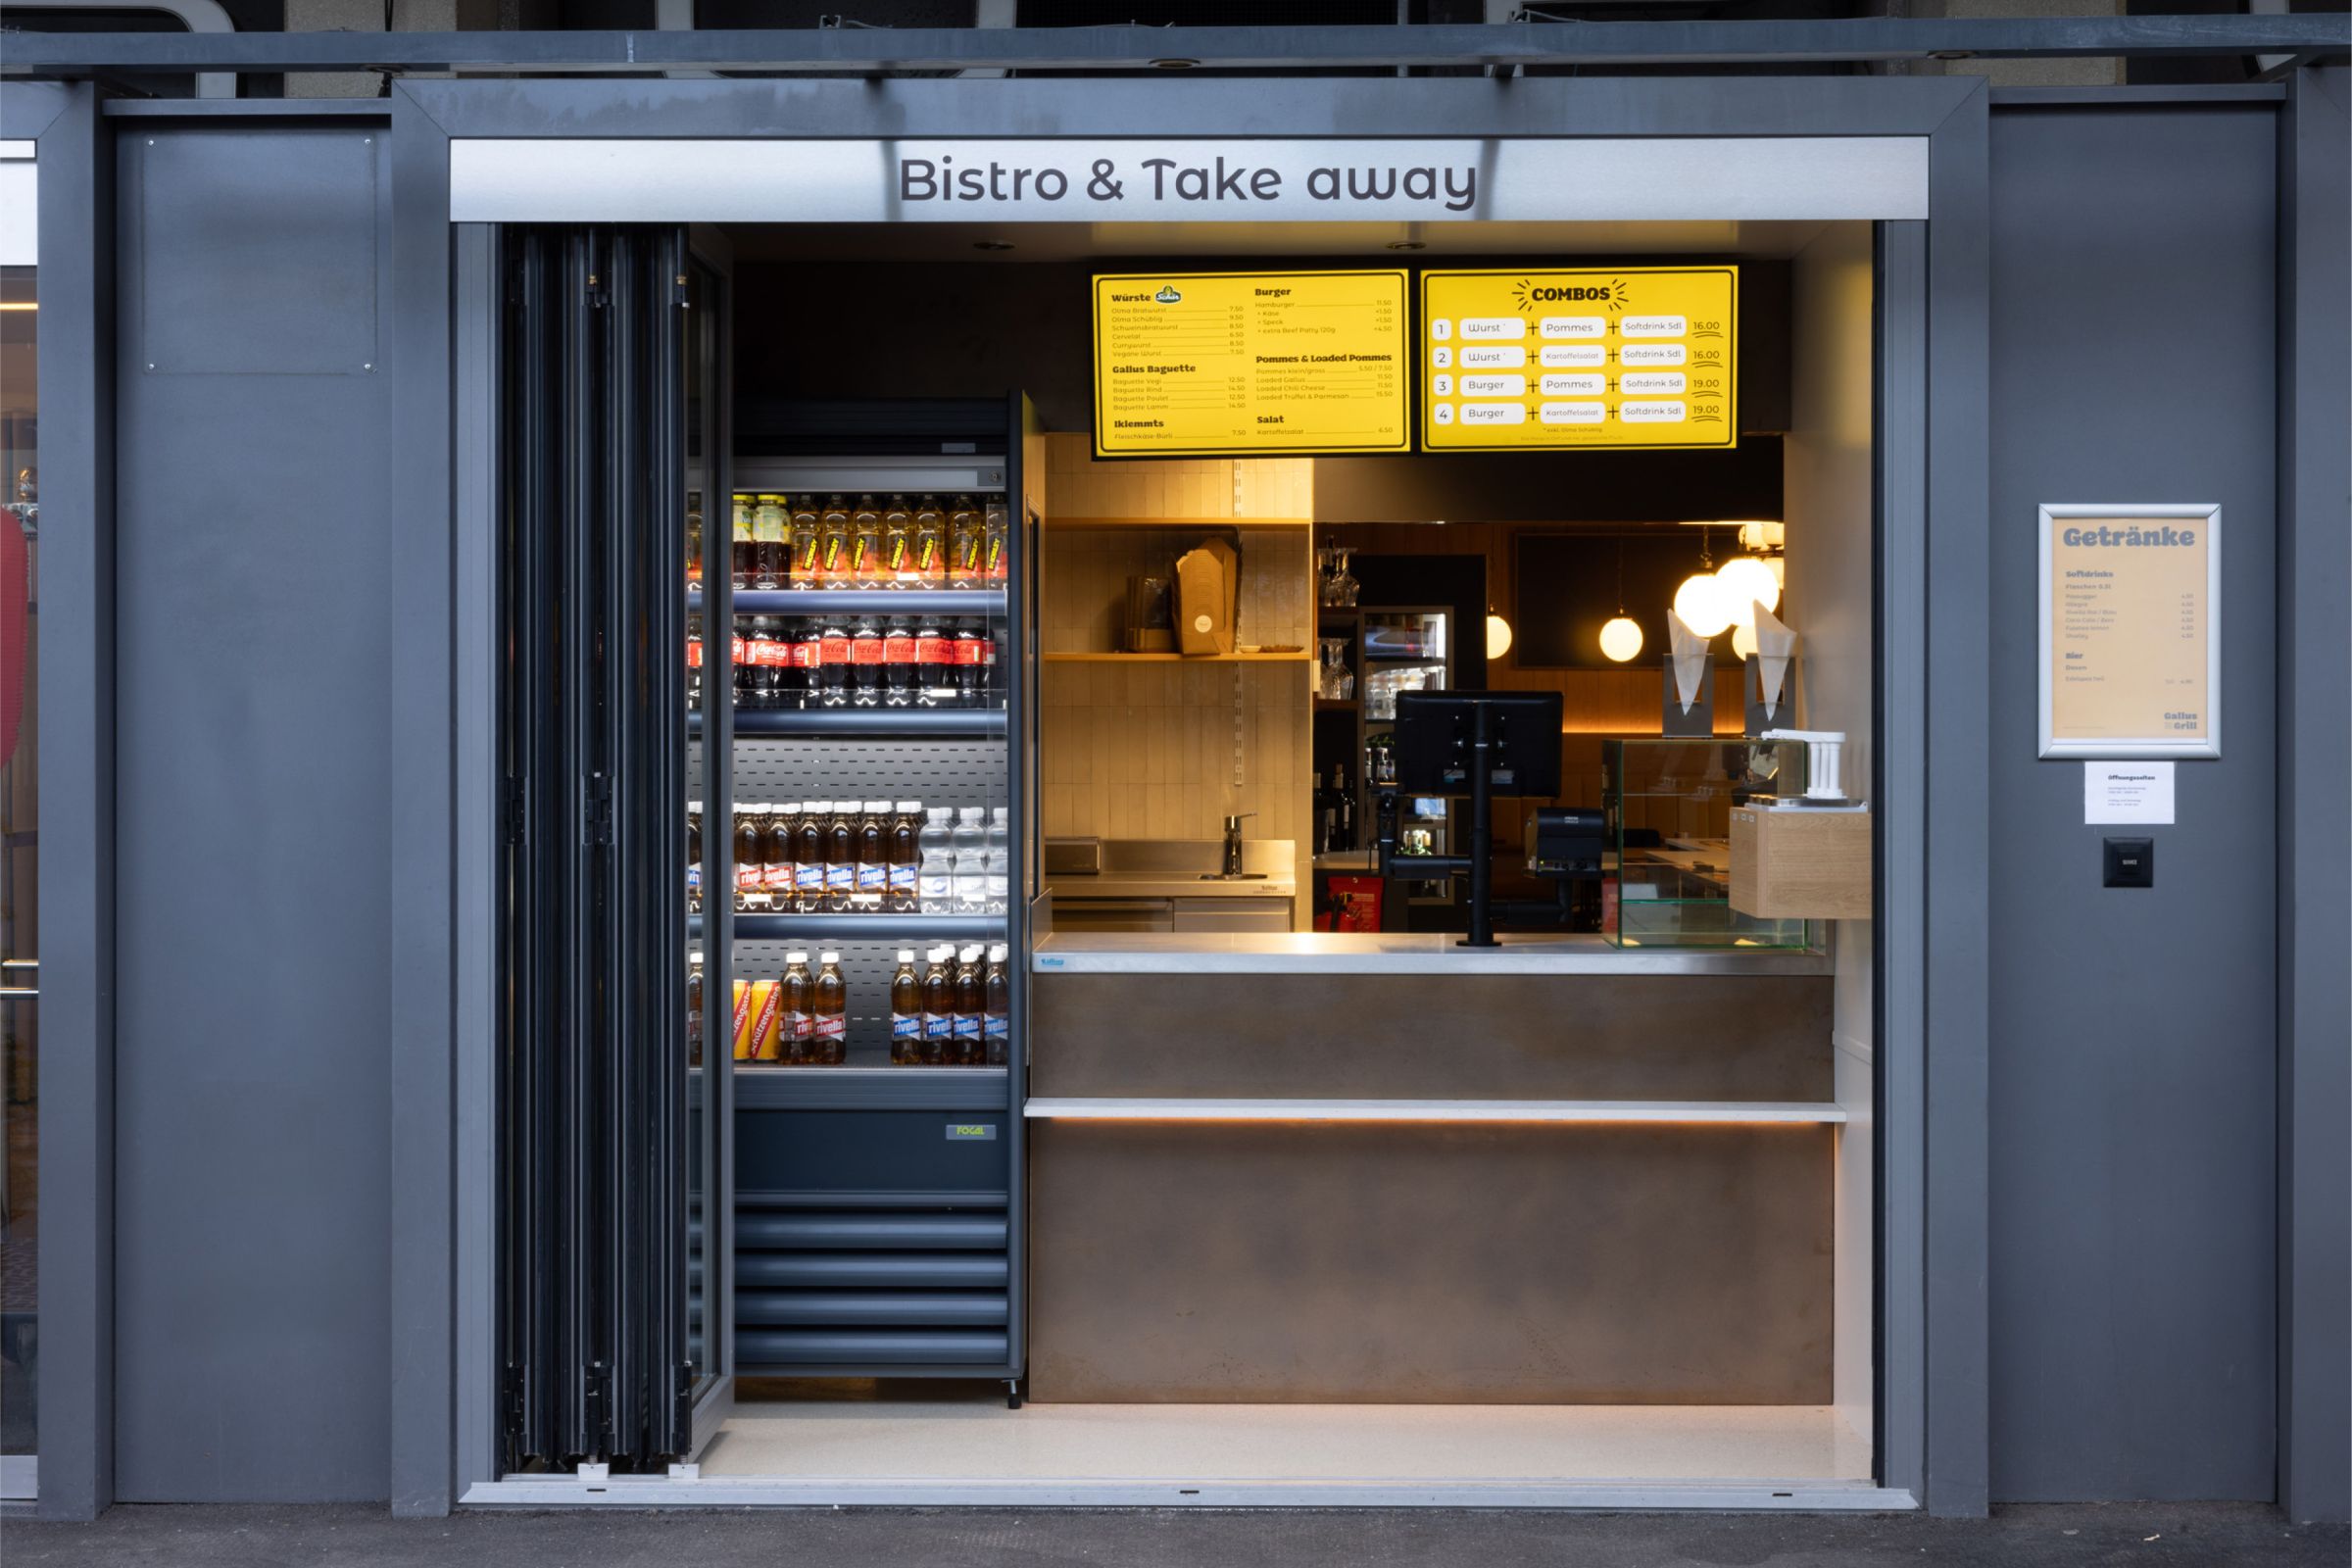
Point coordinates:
[[857, 752]]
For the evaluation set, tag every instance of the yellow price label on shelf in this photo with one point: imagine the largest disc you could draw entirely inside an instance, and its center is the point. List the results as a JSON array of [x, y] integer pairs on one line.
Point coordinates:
[[1526, 359], [1209, 364]]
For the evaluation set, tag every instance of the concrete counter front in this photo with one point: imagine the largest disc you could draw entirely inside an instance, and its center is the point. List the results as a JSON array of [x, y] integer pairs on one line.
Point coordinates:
[[1377, 1169]]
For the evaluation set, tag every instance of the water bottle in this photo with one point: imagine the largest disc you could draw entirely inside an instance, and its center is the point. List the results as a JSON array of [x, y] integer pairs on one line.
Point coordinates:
[[1000, 860], [970, 840], [935, 879]]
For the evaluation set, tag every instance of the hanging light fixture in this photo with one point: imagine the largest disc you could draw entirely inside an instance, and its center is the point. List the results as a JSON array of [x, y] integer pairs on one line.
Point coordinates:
[[1621, 638], [1743, 638], [1748, 580], [1498, 634], [1701, 602]]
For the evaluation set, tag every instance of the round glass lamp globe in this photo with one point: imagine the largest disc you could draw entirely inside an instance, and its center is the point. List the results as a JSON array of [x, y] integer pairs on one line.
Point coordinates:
[[1703, 605], [1621, 639], [1745, 580], [1743, 639], [1498, 636]]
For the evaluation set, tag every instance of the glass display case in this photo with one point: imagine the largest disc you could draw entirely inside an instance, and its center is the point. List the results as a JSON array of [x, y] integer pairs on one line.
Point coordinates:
[[1667, 868]]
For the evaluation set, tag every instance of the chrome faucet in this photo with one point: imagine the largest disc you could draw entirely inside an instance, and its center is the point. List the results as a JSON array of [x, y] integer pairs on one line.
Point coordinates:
[[1233, 844]]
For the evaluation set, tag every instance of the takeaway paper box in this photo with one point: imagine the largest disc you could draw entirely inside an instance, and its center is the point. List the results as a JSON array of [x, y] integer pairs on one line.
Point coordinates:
[[1208, 589]]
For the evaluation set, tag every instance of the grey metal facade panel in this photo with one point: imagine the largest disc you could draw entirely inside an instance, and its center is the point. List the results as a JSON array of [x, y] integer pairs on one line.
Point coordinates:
[[253, 635], [1957, 821], [2314, 840], [1507, 46], [27, 109], [77, 691], [2134, 1084], [426, 749]]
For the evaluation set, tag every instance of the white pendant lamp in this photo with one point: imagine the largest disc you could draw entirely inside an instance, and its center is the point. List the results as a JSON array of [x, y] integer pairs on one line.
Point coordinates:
[[1748, 580], [1743, 635], [1498, 635], [1621, 638], [1701, 602]]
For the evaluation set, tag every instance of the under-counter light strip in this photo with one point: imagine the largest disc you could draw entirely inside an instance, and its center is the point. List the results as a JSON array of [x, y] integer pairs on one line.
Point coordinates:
[[1703, 1111]]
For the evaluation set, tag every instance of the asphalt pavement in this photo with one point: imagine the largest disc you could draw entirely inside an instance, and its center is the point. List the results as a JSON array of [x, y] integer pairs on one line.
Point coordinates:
[[2137, 1535]]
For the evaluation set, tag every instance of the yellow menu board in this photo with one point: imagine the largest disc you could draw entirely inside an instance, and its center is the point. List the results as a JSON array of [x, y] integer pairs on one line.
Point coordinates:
[[1594, 357], [2130, 647], [1197, 363]]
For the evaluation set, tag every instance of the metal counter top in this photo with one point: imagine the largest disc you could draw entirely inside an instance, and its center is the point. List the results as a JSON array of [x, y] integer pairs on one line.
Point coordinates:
[[1162, 885], [1392, 952]]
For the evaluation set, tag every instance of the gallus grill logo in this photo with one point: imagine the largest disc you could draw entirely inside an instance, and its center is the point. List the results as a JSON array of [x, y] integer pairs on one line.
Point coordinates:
[[1531, 294], [1168, 294]]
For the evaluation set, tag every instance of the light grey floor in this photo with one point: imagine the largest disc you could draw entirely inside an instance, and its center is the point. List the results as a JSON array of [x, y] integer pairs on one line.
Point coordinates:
[[978, 1438], [345, 1536]]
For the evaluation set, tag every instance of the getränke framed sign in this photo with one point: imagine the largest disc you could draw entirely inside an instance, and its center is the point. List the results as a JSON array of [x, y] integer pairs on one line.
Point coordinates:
[[2130, 631]]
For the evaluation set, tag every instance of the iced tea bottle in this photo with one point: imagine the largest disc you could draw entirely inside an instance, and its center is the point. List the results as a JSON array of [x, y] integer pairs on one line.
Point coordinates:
[[930, 543], [808, 858], [840, 857], [905, 1013], [971, 1007], [777, 871], [874, 858], [774, 551], [939, 1009], [995, 1020], [995, 564], [694, 1009], [865, 544], [749, 889], [743, 546], [801, 532], [799, 1027], [901, 896], [693, 541], [831, 1045], [897, 544], [833, 544], [965, 530]]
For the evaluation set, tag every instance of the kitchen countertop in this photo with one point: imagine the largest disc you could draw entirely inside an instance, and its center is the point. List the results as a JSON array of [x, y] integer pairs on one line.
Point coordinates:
[[1394, 953], [1162, 885]]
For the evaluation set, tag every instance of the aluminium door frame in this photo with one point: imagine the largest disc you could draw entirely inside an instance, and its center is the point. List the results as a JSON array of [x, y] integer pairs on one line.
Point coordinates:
[[1934, 967]]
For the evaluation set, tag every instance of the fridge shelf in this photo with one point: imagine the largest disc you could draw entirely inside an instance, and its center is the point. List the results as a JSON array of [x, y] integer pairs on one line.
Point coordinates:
[[818, 722], [900, 928], [862, 601], [774, 1088]]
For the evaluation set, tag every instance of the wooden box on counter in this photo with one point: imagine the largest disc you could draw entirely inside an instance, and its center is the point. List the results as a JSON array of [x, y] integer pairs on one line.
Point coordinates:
[[1800, 862]]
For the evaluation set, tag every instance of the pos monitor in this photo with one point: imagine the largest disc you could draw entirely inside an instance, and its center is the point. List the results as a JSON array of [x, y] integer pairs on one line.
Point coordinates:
[[1480, 745], [1437, 736]]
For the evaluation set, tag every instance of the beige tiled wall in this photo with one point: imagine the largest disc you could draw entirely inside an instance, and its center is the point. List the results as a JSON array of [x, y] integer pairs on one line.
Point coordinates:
[[1160, 750], [1077, 486]]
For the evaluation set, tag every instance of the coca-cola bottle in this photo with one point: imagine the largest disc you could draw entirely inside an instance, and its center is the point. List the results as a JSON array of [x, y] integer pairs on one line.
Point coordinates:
[[934, 668], [865, 664], [787, 676], [833, 663], [694, 662], [971, 666], [898, 662]]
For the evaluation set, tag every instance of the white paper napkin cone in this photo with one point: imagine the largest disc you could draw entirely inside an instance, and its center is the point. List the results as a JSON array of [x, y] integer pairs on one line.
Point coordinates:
[[1776, 644], [1690, 653]]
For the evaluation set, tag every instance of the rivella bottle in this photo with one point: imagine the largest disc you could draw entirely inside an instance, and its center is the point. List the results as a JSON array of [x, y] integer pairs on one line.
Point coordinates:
[[939, 1009], [995, 1020], [832, 1010], [971, 1007], [798, 1025], [906, 1013]]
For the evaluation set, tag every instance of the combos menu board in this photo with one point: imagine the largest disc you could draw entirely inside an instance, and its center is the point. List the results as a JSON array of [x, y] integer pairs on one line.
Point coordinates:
[[1597, 357], [1195, 364]]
